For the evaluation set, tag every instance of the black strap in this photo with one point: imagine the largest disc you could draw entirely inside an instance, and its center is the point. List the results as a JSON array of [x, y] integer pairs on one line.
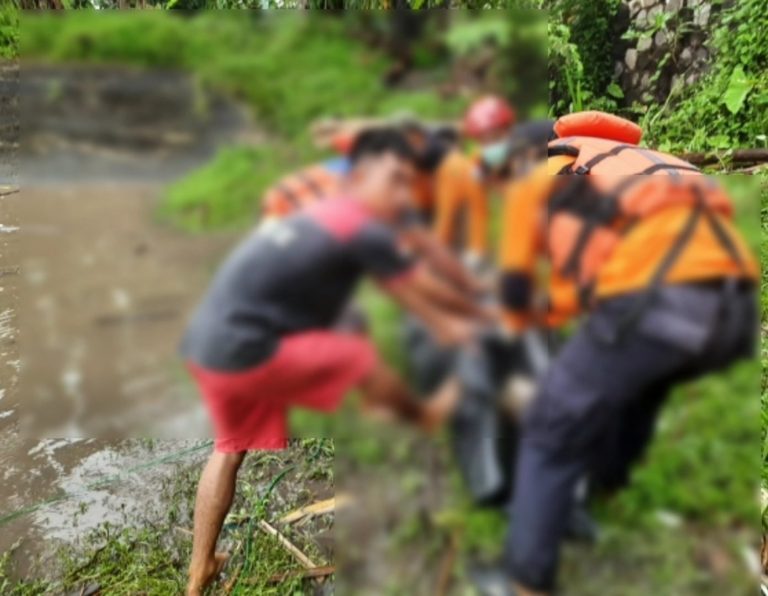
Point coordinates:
[[721, 233], [555, 150], [585, 169], [289, 194], [573, 262], [313, 186], [633, 316], [633, 179], [667, 166], [585, 292]]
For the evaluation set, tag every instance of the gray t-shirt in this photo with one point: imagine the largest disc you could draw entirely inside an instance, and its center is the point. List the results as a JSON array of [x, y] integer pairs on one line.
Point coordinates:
[[288, 276]]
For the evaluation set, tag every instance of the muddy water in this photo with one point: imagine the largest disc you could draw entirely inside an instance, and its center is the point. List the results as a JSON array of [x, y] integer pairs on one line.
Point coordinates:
[[101, 294], [103, 298], [62, 489]]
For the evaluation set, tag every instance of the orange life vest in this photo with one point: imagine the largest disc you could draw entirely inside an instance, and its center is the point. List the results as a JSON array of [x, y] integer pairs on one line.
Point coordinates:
[[296, 190], [613, 183]]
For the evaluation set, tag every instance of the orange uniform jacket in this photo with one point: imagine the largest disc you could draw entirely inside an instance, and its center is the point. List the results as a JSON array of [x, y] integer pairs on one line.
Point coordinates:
[[629, 267], [462, 217]]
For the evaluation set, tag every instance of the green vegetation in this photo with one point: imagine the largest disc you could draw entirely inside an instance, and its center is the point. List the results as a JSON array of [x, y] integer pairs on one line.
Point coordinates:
[[726, 108], [580, 44], [729, 106], [9, 32], [274, 4], [194, 202], [152, 557], [287, 82], [764, 349], [701, 468]]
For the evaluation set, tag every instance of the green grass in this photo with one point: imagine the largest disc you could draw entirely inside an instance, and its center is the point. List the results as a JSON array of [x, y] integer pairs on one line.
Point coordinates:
[[224, 192], [9, 31], [151, 557], [288, 70]]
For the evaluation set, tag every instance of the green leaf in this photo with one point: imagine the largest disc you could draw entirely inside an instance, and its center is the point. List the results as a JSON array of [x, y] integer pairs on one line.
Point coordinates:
[[417, 4], [615, 91], [463, 38], [719, 141], [739, 87]]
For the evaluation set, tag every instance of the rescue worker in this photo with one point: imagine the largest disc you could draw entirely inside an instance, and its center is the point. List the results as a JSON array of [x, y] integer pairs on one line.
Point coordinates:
[[261, 342], [463, 182], [668, 284], [318, 181], [551, 300]]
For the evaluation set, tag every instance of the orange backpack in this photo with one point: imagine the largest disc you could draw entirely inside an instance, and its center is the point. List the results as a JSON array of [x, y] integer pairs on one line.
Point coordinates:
[[611, 185]]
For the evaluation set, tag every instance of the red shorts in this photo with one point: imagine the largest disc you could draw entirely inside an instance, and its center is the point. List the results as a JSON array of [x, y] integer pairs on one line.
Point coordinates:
[[249, 408]]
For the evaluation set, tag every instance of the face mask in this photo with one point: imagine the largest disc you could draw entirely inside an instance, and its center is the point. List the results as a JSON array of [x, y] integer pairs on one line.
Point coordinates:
[[495, 154]]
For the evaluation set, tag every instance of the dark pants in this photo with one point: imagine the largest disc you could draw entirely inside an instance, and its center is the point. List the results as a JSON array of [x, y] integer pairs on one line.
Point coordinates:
[[597, 406]]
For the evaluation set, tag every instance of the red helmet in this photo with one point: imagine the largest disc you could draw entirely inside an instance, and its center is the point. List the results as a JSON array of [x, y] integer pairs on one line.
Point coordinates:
[[488, 114]]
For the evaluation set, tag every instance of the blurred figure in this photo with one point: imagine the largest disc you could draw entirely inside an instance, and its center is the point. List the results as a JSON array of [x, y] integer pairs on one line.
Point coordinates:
[[668, 285], [261, 341], [463, 181], [322, 180]]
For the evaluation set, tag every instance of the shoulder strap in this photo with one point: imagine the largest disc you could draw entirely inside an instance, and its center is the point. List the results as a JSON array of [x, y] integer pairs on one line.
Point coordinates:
[[290, 196], [646, 299], [310, 183]]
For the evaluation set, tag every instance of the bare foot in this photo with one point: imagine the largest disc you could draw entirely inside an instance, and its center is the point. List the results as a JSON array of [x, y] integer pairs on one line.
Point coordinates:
[[199, 580]]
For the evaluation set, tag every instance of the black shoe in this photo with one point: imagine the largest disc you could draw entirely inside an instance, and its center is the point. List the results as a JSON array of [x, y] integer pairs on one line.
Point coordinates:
[[490, 580], [582, 527]]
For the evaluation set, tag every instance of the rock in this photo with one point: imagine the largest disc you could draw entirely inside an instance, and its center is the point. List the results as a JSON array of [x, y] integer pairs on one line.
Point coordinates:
[[645, 80], [641, 20], [674, 5], [644, 43], [635, 79], [630, 58], [691, 79], [695, 3], [652, 12], [618, 70], [702, 56], [648, 3], [701, 15], [686, 57], [661, 38], [676, 81], [634, 7], [696, 40]]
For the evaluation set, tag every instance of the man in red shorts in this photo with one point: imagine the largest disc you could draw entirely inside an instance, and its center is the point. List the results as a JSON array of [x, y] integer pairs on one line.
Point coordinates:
[[262, 341]]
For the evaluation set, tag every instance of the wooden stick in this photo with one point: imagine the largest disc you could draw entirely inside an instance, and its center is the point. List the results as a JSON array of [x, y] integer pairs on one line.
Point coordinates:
[[751, 169], [289, 546], [317, 508], [737, 156], [446, 566], [307, 574]]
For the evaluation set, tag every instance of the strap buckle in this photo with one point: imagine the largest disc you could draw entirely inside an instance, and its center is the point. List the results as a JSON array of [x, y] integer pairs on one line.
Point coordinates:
[[581, 171]]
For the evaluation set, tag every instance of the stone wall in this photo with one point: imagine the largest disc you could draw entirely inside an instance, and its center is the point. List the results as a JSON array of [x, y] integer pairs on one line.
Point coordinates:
[[677, 49]]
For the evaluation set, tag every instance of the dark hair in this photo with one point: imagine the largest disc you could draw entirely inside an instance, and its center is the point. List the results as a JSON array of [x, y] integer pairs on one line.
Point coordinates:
[[438, 144], [529, 135], [375, 142]]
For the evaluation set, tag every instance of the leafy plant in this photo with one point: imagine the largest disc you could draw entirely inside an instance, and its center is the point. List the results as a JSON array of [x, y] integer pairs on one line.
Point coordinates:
[[729, 105]]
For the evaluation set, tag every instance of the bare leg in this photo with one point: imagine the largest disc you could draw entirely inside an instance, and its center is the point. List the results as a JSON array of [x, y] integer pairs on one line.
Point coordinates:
[[383, 388], [214, 498]]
